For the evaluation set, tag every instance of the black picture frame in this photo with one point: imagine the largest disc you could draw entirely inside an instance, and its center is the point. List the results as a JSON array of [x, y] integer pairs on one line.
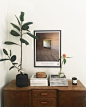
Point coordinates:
[[42, 37]]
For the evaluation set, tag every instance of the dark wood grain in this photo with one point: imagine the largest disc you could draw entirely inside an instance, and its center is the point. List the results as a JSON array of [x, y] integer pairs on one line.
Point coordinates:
[[45, 96], [29, 100], [16, 98], [72, 99], [44, 102], [44, 93], [78, 87]]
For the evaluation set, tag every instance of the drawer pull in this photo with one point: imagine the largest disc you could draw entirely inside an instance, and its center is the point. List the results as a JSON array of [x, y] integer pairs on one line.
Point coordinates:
[[43, 102], [44, 94]]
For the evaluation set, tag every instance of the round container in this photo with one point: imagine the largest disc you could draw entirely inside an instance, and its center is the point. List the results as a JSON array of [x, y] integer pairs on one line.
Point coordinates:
[[40, 74], [74, 81]]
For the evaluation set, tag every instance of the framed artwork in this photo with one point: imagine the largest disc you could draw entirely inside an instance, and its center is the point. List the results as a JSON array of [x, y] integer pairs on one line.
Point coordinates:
[[47, 49]]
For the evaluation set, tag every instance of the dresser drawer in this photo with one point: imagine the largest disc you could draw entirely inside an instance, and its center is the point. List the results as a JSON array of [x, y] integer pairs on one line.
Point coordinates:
[[44, 102], [44, 93]]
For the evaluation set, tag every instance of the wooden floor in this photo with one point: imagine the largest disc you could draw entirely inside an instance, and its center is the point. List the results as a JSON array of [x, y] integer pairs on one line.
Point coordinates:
[[45, 54]]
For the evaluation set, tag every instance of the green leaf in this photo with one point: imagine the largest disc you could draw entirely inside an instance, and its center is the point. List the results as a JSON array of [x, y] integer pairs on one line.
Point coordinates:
[[10, 43], [10, 52], [17, 19], [35, 37], [19, 65], [19, 70], [25, 27], [13, 58], [59, 59], [11, 67], [15, 26], [14, 63], [5, 52], [22, 16], [3, 59], [68, 57], [14, 33], [28, 30], [28, 23], [64, 60], [24, 41]]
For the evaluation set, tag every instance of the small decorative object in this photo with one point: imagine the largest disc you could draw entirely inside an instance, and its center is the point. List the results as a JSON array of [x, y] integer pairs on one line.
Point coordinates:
[[38, 81], [56, 81], [47, 49], [60, 79], [63, 57], [74, 81], [20, 30], [40, 74]]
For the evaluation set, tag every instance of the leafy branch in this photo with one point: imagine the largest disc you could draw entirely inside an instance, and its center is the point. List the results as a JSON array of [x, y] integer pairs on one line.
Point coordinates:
[[18, 32], [11, 58]]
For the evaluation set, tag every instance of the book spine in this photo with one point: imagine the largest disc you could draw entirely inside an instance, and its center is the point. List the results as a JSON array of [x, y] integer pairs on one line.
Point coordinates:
[[38, 81], [38, 84]]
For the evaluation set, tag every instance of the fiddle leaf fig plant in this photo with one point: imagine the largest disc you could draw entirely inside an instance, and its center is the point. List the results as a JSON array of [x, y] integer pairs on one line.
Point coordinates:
[[19, 31]]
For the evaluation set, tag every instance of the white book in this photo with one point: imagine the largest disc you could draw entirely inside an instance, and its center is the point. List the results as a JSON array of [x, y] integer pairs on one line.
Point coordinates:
[[56, 81], [34, 78], [38, 84], [54, 76], [59, 80], [38, 81], [58, 84]]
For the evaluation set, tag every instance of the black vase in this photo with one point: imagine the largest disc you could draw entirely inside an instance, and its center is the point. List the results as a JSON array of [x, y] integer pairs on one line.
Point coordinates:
[[22, 80]]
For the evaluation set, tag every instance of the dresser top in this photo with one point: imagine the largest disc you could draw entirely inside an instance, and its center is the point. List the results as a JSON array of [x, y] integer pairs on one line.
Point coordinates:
[[78, 87]]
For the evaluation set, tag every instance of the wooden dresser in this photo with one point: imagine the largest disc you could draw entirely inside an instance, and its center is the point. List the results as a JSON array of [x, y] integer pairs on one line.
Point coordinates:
[[45, 96]]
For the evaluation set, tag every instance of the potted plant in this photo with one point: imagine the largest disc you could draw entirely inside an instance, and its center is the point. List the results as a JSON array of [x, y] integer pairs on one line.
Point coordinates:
[[20, 29], [63, 57]]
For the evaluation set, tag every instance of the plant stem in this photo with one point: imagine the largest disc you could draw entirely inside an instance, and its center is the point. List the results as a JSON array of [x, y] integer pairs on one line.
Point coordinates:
[[21, 46], [12, 63], [60, 68]]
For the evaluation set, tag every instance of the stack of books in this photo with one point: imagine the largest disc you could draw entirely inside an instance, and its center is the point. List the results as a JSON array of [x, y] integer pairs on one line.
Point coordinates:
[[56, 81], [38, 81]]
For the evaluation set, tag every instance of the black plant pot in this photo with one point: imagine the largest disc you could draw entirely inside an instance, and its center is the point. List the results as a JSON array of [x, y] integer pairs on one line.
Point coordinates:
[[22, 80]]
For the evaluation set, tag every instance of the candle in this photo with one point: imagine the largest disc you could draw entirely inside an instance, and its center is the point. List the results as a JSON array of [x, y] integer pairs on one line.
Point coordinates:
[[74, 81]]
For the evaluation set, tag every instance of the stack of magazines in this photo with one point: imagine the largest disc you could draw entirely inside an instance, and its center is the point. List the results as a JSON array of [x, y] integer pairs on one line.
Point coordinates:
[[38, 81], [56, 81]]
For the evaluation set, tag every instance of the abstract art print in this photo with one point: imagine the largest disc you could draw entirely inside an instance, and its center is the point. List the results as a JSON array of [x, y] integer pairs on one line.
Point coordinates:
[[47, 49]]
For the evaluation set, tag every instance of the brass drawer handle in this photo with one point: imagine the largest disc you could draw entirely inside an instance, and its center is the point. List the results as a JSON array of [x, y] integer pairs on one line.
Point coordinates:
[[43, 102], [44, 94]]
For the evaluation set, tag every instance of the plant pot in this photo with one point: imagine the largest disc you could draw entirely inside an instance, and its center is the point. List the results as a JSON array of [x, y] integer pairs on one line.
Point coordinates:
[[22, 80]]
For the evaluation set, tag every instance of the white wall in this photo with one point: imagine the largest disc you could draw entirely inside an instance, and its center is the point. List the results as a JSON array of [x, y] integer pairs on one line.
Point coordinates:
[[68, 16], [3, 36]]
